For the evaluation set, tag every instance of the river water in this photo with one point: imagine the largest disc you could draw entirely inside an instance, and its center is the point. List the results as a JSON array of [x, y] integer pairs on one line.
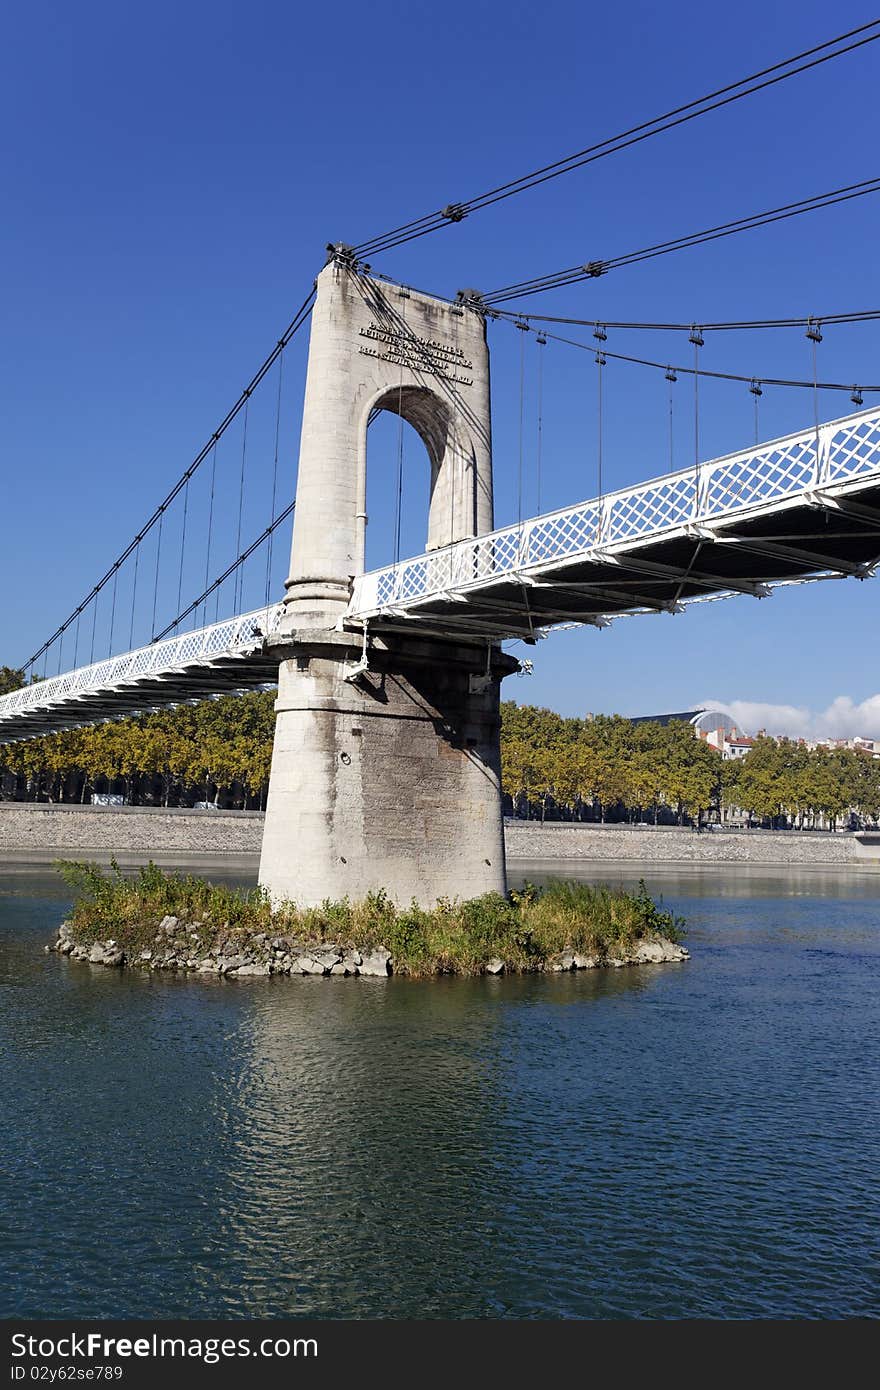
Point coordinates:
[[694, 1140]]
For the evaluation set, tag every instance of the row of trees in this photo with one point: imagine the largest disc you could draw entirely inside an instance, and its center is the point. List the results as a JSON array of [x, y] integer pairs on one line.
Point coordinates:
[[599, 768], [606, 766], [609, 767], [219, 751], [807, 787]]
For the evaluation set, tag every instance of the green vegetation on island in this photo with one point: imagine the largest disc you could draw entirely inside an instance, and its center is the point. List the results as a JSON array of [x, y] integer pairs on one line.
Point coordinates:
[[530, 930]]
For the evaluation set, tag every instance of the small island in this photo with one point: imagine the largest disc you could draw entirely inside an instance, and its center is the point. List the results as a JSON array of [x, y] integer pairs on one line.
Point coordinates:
[[160, 921]]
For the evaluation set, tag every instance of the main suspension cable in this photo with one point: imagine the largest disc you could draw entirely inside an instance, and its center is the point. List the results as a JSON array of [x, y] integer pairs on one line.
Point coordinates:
[[221, 579], [592, 269], [301, 316], [778, 72]]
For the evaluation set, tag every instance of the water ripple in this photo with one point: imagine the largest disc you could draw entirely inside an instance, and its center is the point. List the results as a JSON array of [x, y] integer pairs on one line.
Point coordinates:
[[694, 1141]]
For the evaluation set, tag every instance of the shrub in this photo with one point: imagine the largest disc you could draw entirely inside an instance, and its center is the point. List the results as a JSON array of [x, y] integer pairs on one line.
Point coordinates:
[[524, 929]]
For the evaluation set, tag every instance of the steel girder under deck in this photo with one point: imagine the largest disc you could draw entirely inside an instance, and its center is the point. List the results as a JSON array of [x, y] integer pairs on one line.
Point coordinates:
[[800, 508]]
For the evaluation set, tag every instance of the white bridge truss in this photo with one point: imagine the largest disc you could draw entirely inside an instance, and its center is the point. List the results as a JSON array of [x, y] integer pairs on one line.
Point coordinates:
[[802, 507], [796, 509], [222, 659]]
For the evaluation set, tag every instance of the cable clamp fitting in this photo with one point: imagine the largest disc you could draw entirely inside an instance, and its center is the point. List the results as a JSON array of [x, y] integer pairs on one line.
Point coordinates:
[[341, 254], [471, 299]]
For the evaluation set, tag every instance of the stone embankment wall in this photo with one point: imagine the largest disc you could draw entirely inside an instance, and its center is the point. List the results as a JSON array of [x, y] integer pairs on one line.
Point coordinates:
[[134, 834], [44, 833], [530, 840]]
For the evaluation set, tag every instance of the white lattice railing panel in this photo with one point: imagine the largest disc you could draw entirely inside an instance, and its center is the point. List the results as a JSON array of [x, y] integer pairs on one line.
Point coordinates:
[[563, 533], [752, 479], [501, 554], [652, 507], [762, 476], [228, 638], [853, 449], [413, 579], [385, 587]]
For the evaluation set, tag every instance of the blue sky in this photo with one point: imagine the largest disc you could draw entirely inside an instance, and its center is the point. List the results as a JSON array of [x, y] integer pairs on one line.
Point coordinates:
[[173, 172]]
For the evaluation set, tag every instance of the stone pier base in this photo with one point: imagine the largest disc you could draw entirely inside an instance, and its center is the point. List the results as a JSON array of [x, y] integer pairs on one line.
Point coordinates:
[[389, 779]]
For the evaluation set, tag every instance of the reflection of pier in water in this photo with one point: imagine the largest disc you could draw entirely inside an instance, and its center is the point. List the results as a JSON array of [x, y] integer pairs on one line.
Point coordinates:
[[332, 1091]]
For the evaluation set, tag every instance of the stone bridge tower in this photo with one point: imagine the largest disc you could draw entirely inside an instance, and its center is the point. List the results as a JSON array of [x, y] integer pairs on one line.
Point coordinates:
[[385, 767]]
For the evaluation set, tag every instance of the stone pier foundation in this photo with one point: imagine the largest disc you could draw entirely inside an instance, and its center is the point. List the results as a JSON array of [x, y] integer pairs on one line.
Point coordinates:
[[385, 777], [390, 780]]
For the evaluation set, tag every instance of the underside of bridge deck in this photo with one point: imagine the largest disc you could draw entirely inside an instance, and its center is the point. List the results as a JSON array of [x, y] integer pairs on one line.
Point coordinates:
[[188, 684], [800, 540]]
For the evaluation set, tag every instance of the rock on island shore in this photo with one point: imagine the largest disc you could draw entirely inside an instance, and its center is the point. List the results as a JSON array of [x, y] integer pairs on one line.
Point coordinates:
[[181, 946]]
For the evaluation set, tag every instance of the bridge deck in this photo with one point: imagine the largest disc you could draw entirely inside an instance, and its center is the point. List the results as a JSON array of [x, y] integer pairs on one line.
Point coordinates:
[[783, 512], [222, 659]]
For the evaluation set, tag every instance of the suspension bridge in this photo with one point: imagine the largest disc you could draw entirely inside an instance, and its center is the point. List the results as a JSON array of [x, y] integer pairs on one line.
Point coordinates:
[[795, 510], [395, 672], [386, 769]]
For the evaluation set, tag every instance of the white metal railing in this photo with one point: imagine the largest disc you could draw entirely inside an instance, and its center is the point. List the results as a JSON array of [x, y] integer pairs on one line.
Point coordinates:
[[754, 479], [235, 635], [757, 478]]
